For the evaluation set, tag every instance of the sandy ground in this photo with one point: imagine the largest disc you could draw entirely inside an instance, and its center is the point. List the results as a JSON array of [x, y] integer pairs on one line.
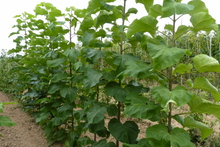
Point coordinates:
[[26, 133]]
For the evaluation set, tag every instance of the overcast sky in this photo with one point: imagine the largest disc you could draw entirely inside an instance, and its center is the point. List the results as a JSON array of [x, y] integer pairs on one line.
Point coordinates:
[[10, 8]]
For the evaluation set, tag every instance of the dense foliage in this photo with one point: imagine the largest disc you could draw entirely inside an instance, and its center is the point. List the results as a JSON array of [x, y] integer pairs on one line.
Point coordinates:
[[114, 70]]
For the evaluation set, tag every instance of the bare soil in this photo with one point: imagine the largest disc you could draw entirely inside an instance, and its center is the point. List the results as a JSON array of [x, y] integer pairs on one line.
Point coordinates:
[[26, 133]]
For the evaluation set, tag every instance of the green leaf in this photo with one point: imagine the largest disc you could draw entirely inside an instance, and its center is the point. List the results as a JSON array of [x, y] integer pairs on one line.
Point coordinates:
[[93, 7], [1, 107], [182, 68], [84, 141], [205, 130], [200, 105], [87, 37], [168, 27], [58, 77], [80, 12], [65, 107], [204, 84], [96, 114], [145, 24], [115, 90], [105, 17], [141, 107], [86, 24], [189, 83], [164, 56], [171, 7], [99, 129], [55, 62], [199, 6], [112, 110], [69, 93], [135, 69], [127, 132], [155, 10], [147, 3], [141, 143], [179, 95], [132, 10], [103, 143], [106, 6], [181, 30], [158, 135], [205, 63], [94, 54], [40, 11], [6, 121], [59, 120], [203, 21], [72, 54], [100, 33], [42, 117], [54, 88], [92, 78]]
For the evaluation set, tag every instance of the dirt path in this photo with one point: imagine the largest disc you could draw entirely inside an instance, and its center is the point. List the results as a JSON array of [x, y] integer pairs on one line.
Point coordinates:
[[26, 133]]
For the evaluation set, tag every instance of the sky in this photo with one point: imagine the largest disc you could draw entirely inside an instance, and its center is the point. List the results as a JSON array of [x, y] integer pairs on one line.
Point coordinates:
[[10, 8]]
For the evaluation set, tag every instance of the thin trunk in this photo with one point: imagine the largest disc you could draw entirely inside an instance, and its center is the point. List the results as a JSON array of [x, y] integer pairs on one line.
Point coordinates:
[[70, 68], [210, 46], [121, 45], [171, 77]]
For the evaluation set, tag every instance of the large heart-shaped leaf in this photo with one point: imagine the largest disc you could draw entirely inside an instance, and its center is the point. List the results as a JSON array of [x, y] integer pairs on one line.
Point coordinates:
[[179, 95], [164, 56], [126, 132], [203, 21], [171, 7], [141, 107], [199, 6], [158, 136], [205, 130]]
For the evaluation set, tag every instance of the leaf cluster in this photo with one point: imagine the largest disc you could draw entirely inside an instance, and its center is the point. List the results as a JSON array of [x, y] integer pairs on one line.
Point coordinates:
[[72, 88]]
